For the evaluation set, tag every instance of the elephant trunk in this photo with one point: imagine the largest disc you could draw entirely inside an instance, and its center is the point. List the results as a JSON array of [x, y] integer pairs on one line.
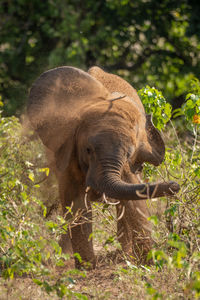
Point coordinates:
[[121, 190], [114, 187]]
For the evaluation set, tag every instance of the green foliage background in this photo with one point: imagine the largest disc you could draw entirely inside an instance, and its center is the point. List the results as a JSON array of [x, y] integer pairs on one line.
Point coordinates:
[[147, 42]]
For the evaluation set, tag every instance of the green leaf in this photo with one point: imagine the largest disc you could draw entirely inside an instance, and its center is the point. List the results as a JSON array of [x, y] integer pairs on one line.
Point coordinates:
[[45, 170], [31, 176], [153, 219]]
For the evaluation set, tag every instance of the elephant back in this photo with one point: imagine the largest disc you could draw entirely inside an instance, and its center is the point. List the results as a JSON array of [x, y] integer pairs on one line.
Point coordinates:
[[114, 83], [56, 100]]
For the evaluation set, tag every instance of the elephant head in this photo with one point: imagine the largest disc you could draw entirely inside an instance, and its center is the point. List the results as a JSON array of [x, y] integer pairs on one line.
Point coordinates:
[[99, 120]]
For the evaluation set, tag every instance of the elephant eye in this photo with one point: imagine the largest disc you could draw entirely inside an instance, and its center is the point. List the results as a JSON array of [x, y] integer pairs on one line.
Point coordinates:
[[130, 152], [88, 150], [128, 155]]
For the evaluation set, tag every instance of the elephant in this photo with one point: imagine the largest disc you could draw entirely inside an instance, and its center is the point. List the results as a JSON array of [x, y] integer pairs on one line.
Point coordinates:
[[97, 135]]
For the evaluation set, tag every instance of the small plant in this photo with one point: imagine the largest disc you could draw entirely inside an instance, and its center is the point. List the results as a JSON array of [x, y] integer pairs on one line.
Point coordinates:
[[191, 108], [155, 104]]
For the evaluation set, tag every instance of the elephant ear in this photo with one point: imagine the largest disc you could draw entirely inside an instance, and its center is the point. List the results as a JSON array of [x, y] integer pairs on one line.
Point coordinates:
[[156, 152], [63, 155], [115, 83], [56, 101]]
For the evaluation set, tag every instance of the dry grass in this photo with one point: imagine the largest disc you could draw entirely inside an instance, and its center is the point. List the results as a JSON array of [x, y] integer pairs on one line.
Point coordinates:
[[114, 277]]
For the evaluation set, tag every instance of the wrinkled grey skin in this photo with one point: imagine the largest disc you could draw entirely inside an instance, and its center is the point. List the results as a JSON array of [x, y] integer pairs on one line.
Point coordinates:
[[97, 135]]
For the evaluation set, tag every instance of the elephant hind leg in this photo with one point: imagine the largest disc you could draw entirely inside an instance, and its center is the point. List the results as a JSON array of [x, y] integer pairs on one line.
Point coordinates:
[[141, 235], [134, 227], [134, 230], [124, 232]]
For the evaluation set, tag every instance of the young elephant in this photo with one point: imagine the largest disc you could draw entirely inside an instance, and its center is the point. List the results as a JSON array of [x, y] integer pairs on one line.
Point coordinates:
[[97, 135]]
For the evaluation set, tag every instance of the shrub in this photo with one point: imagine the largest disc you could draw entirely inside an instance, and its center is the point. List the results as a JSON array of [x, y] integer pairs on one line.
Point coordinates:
[[28, 241], [176, 233]]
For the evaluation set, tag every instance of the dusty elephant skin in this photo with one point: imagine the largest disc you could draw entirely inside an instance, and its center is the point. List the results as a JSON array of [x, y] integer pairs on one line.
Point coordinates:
[[97, 135]]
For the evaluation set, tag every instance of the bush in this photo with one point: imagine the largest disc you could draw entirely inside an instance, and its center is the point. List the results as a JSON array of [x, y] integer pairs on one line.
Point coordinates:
[[178, 247], [28, 241]]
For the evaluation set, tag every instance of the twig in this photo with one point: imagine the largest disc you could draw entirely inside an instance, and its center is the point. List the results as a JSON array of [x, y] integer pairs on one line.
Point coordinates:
[[42, 180], [4, 174], [176, 135], [195, 142]]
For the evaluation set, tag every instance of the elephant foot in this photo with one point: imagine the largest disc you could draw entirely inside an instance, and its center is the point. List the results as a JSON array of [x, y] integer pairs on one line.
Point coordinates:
[[81, 264], [141, 249], [138, 256], [136, 246], [87, 261], [83, 247]]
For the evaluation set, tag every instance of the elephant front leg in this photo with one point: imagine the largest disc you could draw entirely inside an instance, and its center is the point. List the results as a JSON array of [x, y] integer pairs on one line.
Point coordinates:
[[82, 243], [80, 224], [78, 241]]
